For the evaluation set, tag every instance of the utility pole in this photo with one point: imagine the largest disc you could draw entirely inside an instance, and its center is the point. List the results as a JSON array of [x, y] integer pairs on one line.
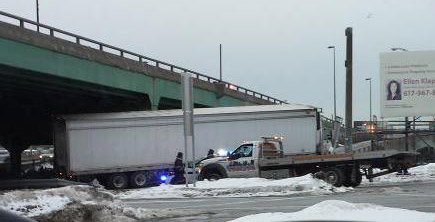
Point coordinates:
[[220, 62], [348, 64], [37, 14]]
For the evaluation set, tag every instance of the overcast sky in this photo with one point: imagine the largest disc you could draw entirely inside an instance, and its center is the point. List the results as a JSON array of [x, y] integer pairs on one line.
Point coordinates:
[[275, 47]]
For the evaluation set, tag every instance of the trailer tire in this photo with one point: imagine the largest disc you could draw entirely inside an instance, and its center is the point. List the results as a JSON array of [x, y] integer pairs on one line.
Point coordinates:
[[334, 176], [117, 181], [138, 179], [347, 177], [319, 175], [353, 177], [356, 181]]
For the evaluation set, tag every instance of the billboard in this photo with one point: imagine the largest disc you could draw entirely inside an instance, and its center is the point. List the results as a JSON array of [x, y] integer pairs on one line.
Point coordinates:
[[407, 83]]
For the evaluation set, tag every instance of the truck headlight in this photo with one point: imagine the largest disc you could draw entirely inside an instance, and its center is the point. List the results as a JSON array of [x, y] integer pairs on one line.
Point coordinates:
[[222, 152]]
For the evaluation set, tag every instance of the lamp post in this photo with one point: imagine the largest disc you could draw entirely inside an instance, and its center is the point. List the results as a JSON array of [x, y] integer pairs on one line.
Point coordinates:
[[335, 93], [37, 14], [220, 62], [370, 82], [334, 125], [370, 128]]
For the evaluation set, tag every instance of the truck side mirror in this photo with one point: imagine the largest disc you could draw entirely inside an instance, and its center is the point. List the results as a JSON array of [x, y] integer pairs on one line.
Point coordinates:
[[230, 156], [234, 156]]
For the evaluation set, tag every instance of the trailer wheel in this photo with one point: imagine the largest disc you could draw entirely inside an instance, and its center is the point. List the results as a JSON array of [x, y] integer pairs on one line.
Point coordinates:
[[138, 179], [353, 177], [334, 176], [347, 182], [118, 181], [356, 181]]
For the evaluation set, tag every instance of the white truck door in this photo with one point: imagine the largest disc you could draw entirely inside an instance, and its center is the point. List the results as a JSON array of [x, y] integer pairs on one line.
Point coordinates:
[[242, 162]]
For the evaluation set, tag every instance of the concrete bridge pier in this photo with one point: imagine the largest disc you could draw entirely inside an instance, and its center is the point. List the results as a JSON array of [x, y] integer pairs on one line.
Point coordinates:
[[15, 151]]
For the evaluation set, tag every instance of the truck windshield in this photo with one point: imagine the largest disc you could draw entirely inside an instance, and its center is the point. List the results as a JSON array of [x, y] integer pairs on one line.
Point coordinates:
[[244, 150]]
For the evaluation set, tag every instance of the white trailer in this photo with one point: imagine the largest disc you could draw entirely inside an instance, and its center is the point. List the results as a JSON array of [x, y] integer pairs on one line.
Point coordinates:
[[135, 148]]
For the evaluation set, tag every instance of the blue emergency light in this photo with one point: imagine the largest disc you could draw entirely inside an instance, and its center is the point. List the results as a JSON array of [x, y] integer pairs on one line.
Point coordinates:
[[163, 177]]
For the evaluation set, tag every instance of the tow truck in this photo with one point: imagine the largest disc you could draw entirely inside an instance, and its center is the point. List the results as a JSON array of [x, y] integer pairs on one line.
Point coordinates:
[[265, 158]]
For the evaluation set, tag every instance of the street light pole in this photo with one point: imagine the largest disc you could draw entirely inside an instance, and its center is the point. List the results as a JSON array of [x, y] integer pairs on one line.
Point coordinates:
[[335, 105], [220, 62], [370, 82], [335, 91], [37, 15]]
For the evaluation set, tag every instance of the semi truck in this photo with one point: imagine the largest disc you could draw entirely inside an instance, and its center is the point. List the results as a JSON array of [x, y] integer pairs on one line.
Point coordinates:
[[266, 158], [136, 149]]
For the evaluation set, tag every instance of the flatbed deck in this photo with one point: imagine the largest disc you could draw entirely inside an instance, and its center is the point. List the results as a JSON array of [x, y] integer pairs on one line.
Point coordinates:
[[340, 157]]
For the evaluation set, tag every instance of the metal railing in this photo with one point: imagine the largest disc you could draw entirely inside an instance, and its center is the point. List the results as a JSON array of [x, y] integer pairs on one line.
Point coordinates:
[[54, 32]]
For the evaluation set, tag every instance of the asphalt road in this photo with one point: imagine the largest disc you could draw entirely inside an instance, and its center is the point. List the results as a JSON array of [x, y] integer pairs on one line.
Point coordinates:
[[414, 196]]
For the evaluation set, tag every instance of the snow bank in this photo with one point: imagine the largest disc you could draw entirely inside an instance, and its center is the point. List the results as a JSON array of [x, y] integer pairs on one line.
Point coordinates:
[[237, 187], [77, 204], [419, 173], [34, 203], [336, 210]]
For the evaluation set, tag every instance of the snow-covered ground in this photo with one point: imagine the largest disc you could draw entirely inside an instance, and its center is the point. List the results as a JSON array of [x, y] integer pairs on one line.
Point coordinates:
[[237, 187], [246, 187], [337, 210], [82, 201], [78, 203], [419, 173]]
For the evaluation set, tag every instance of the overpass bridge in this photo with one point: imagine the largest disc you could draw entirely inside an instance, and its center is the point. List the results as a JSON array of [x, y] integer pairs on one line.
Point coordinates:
[[45, 71]]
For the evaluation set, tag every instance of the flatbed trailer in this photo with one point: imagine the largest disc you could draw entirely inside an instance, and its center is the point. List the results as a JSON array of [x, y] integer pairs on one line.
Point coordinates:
[[339, 169]]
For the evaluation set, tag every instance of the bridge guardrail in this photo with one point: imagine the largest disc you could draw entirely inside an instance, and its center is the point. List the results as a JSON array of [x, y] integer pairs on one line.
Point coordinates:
[[131, 55]]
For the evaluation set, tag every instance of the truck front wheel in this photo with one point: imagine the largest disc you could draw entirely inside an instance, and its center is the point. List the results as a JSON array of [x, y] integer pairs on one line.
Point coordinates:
[[213, 176], [334, 176], [118, 181]]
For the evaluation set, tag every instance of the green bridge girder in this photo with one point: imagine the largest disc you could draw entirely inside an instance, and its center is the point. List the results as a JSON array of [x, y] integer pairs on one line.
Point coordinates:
[[28, 57]]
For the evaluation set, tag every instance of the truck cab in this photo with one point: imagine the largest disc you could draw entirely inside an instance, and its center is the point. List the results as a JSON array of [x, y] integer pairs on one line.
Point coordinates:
[[243, 161]]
